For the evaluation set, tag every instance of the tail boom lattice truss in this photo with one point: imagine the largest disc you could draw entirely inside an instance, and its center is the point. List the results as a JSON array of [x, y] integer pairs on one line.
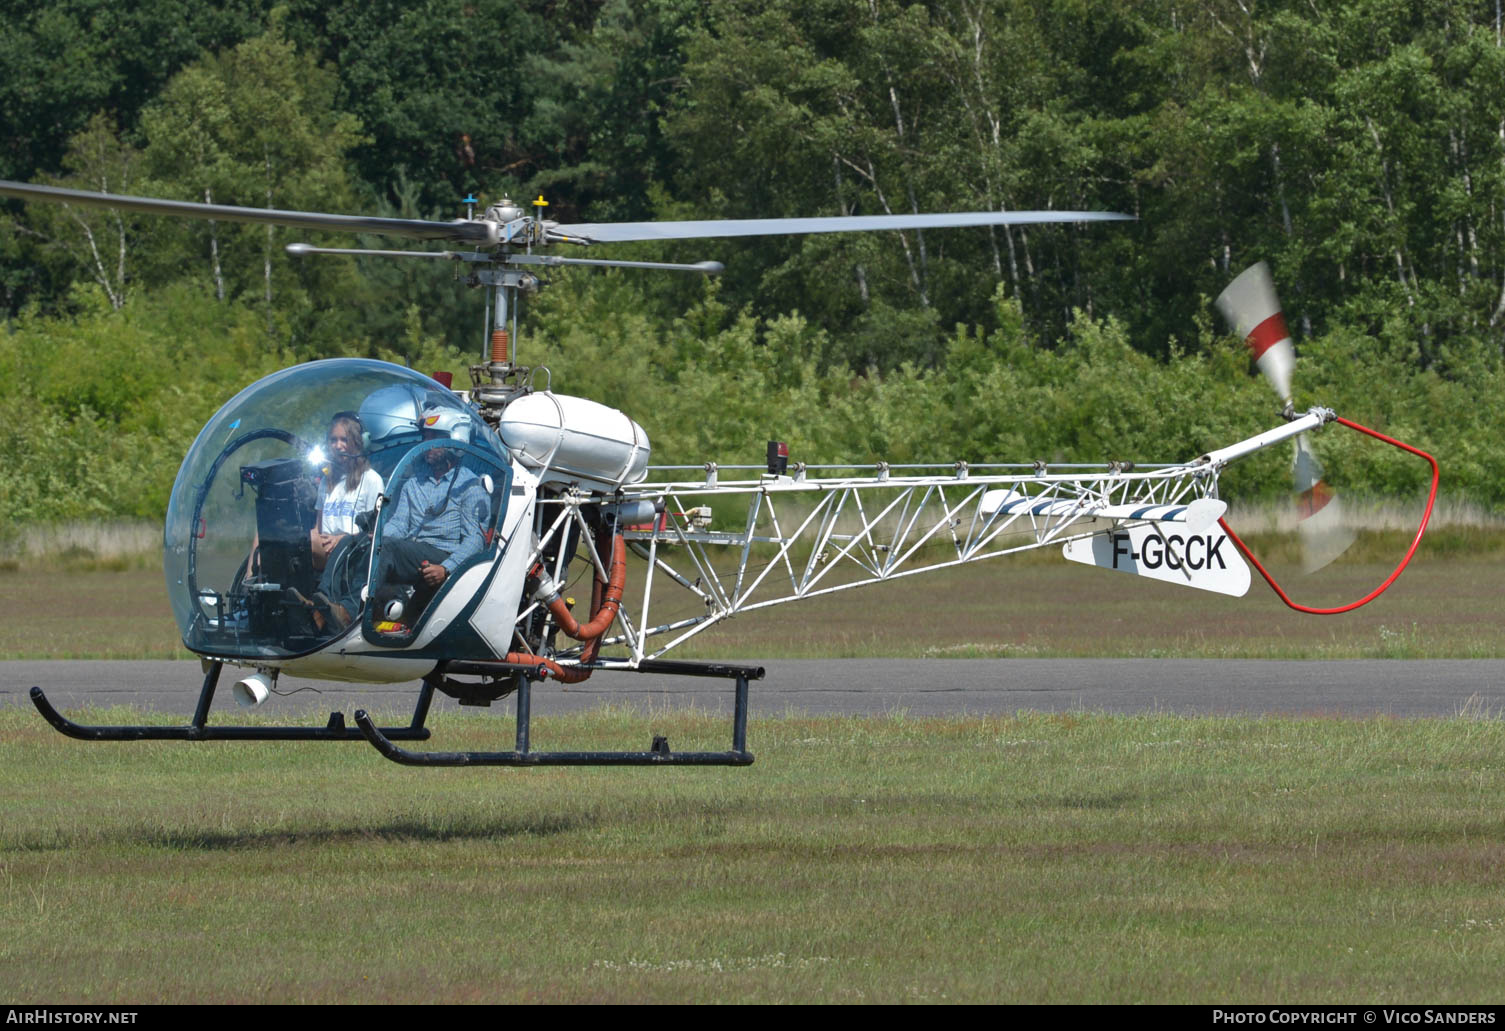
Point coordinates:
[[805, 537]]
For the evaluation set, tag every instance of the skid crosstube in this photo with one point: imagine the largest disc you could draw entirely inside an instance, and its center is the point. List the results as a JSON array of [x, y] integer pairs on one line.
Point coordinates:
[[658, 755], [200, 730]]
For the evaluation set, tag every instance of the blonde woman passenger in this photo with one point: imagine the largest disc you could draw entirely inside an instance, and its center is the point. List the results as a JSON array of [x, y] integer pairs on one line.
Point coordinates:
[[349, 489]]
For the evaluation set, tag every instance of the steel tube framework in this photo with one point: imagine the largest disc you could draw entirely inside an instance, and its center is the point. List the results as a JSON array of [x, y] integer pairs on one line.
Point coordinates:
[[802, 537]]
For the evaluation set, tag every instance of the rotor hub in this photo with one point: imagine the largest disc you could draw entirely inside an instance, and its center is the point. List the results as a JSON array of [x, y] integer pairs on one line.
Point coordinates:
[[504, 210]]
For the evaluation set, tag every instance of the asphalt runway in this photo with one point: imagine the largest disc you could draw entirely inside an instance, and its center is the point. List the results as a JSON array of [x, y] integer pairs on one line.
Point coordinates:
[[933, 687]]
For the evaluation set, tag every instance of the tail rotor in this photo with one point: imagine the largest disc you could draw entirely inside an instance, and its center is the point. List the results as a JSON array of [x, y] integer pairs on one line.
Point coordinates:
[[1253, 310]]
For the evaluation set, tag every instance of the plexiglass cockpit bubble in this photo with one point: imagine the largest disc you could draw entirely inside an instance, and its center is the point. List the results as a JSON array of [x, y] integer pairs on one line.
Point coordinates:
[[283, 471]]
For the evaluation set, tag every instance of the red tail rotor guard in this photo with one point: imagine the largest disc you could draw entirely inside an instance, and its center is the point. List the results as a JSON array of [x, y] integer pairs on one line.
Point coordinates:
[[1425, 517]]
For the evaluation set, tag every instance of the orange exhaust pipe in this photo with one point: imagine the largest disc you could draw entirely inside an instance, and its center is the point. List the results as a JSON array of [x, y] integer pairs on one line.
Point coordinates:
[[563, 674], [606, 601], [604, 604]]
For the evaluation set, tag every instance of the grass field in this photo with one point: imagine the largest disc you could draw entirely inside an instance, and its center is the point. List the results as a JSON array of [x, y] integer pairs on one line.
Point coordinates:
[[1034, 858]]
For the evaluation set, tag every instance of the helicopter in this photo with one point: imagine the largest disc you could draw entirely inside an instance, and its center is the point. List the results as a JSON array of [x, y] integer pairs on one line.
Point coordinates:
[[484, 504]]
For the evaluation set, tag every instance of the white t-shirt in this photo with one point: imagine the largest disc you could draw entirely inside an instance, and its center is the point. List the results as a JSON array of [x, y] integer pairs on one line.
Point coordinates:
[[340, 504]]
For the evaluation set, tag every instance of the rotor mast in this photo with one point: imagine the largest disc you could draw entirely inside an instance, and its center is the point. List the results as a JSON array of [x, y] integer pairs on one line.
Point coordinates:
[[503, 263], [499, 378], [489, 379]]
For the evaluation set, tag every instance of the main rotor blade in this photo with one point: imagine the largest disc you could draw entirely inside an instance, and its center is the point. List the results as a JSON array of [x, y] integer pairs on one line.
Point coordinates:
[[480, 231], [414, 229], [707, 268], [299, 250], [612, 232]]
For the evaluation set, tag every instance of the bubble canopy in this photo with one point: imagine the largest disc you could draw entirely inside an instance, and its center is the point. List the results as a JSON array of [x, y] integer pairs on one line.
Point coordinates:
[[253, 489]]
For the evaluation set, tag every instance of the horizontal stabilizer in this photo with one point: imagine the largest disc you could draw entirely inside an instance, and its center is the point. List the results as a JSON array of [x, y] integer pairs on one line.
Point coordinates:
[[1208, 560]]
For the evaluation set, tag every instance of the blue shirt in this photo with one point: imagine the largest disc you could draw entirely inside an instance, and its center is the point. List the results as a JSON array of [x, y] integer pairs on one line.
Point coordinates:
[[451, 513]]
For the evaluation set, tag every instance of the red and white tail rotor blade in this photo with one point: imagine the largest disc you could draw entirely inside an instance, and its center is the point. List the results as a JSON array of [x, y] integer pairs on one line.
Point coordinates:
[[1252, 309], [1324, 532]]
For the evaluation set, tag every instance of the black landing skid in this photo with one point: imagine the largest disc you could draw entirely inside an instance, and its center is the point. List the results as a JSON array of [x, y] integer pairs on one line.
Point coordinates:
[[200, 730], [502, 679], [510, 678]]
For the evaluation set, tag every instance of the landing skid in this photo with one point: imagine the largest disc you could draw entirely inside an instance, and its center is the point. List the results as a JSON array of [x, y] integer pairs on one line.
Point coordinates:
[[200, 730], [522, 677]]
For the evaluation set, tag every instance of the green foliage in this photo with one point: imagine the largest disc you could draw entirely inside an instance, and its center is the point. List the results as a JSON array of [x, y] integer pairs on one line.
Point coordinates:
[[98, 408], [708, 388], [1354, 147], [65, 60], [255, 126], [69, 245], [421, 78]]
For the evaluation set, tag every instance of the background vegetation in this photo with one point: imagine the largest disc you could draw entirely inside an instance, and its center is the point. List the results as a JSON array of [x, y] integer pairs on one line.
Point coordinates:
[[1360, 148]]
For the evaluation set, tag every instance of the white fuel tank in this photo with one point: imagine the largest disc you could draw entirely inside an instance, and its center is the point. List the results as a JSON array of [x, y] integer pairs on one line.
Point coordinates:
[[574, 440]]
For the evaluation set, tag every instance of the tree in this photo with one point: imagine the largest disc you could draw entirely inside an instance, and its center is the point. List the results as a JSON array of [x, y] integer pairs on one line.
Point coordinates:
[[422, 76], [603, 94], [876, 107], [65, 60], [99, 242], [256, 126]]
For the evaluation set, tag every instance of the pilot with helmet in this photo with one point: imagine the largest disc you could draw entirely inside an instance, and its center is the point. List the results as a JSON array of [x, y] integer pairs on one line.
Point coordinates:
[[438, 521], [391, 416]]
